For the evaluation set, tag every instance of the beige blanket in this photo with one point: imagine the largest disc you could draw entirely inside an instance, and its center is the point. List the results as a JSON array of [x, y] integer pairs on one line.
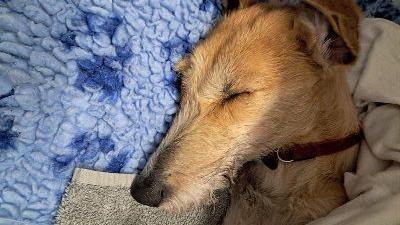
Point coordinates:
[[374, 189]]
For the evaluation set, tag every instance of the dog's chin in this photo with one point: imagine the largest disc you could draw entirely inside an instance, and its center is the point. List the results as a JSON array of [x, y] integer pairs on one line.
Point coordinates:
[[183, 201], [175, 206], [178, 205]]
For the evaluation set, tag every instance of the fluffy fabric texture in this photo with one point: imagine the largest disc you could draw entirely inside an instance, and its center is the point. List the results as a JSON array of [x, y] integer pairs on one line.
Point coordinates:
[[89, 83], [85, 83], [103, 198]]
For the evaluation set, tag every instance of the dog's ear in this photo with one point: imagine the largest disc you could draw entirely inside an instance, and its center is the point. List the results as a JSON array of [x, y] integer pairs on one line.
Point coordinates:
[[328, 29], [230, 5]]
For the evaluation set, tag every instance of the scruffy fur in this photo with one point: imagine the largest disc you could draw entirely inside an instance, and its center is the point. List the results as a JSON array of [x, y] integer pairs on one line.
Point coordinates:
[[266, 76]]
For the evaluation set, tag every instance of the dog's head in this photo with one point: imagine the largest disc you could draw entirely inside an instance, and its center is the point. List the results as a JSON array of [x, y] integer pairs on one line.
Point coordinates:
[[252, 85]]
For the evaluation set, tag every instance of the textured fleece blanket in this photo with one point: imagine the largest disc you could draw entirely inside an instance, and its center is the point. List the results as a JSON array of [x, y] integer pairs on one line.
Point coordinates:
[[85, 83], [89, 83]]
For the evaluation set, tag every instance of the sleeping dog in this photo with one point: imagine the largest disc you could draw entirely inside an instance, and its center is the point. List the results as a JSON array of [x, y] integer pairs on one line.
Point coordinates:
[[265, 112]]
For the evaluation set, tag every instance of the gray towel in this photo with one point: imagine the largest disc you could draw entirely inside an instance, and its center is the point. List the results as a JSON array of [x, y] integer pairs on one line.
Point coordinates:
[[103, 198]]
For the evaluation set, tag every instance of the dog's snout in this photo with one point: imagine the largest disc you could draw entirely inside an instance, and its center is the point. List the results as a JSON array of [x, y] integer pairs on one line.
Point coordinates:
[[148, 190]]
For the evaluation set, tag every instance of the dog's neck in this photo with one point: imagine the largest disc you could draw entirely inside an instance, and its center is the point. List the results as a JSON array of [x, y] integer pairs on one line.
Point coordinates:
[[261, 189], [328, 113], [337, 115], [337, 128]]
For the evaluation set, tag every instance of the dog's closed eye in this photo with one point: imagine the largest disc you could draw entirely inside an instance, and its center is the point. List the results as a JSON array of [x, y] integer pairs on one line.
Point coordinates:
[[234, 95], [229, 93]]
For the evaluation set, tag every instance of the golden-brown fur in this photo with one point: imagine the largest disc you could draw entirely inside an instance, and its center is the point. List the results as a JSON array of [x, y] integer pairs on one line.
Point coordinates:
[[265, 77]]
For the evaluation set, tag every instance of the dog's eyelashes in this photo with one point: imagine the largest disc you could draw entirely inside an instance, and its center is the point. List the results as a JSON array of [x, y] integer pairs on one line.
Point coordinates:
[[232, 96], [235, 95]]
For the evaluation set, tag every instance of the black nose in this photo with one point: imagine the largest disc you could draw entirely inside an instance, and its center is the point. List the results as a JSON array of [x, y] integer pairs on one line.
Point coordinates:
[[147, 190]]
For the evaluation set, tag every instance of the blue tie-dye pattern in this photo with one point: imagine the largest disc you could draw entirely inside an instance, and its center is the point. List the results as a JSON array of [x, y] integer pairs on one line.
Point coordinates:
[[89, 83], [68, 39], [99, 74], [99, 24], [117, 162], [10, 93], [86, 148], [123, 53], [7, 136]]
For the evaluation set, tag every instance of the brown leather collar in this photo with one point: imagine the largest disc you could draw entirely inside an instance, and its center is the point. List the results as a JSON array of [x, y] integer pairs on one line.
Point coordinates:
[[298, 152]]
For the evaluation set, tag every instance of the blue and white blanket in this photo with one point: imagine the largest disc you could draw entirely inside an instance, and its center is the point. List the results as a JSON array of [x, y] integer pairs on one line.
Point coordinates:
[[89, 83]]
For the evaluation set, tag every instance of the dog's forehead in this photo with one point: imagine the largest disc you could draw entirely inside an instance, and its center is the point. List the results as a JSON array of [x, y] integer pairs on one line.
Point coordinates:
[[242, 45]]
